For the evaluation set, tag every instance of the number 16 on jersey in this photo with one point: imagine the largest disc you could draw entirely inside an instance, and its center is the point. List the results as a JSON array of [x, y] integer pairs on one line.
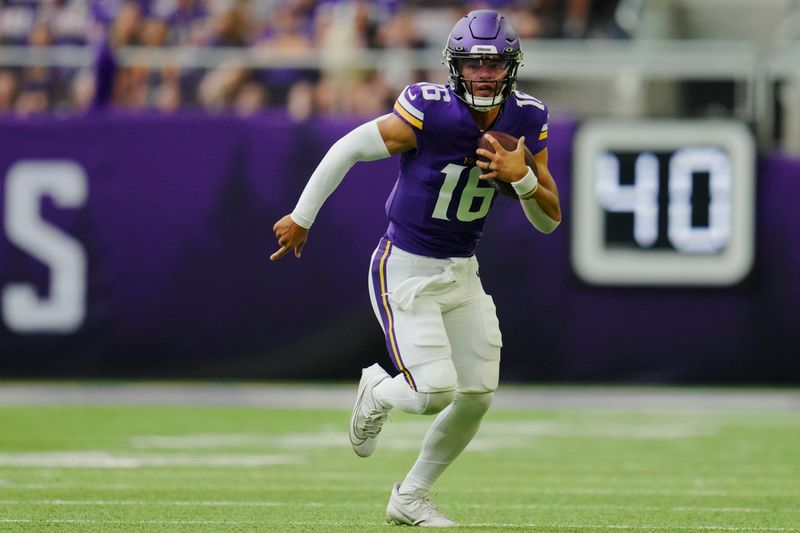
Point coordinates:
[[663, 203]]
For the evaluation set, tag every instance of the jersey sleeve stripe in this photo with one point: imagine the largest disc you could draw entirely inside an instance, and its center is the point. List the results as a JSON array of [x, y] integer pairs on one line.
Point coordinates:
[[543, 134], [414, 121], [410, 108]]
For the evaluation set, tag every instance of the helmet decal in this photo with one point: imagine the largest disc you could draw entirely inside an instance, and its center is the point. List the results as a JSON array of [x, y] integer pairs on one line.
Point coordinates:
[[483, 49]]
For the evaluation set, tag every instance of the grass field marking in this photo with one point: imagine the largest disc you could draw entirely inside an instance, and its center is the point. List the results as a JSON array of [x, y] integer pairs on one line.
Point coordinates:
[[404, 435], [625, 526], [51, 486], [531, 526], [549, 478], [129, 522], [626, 492], [241, 503], [104, 459], [500, 435], [323, 438], [176, 503], [482, 525], [614, 507], [273, 503], [543, 476], [592, 427], [456, 490]]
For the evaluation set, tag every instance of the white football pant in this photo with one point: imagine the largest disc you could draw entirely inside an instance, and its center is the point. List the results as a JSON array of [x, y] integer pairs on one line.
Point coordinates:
[[441, 328]]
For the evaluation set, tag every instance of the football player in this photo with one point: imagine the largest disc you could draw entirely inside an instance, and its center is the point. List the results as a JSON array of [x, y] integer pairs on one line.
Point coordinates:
[[441, 328]]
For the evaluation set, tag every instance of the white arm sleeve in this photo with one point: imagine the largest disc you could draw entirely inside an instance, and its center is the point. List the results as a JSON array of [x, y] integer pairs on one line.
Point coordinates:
[[362, 144], [530, 206], [538, 217], [526, 188]]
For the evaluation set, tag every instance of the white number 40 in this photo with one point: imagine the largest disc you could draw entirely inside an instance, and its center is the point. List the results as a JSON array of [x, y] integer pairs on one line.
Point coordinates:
[[641, 198]]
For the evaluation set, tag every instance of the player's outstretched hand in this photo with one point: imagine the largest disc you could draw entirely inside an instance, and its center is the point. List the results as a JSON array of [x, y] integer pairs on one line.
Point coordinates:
[[290, 237], [502, 164]]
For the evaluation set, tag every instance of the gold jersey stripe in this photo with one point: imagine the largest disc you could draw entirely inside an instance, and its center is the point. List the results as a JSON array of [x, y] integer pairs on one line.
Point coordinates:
[[414, 121]]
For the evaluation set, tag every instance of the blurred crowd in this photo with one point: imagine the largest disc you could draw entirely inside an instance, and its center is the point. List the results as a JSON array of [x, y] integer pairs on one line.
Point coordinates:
[[332, 33]]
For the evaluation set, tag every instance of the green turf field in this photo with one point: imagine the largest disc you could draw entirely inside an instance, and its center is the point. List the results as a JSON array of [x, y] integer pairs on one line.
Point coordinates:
[[134, 468]]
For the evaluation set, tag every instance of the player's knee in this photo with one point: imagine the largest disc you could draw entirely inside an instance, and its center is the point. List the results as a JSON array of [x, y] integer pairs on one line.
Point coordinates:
[[435, 376], [430, 403], [436, 384], [438, 401], [473, 404], [479, 378]]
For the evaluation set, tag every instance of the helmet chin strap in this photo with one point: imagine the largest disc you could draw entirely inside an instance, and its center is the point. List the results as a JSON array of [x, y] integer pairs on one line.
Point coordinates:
[[484, 103]]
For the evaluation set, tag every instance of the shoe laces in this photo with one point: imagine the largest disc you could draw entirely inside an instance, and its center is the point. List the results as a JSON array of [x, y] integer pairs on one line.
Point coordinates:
[[424, 504], [373, 422]]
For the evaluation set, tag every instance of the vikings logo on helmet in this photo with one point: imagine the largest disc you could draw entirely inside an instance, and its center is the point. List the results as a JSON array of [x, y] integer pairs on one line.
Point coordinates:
[[483, 35]]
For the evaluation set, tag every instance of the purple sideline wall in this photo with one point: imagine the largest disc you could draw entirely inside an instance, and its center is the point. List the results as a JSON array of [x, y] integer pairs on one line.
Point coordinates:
[[177, 231]]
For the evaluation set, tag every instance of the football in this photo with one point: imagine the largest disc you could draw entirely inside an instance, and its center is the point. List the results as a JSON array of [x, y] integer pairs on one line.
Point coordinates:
[[509, 142]]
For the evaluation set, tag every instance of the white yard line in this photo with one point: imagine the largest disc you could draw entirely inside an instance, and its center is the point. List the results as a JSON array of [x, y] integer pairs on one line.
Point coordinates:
[[129, 522], [535, 526], [103, 459], [235, 503], [624, 527], [274, 503], [483, 525], [533, 491], [170, 503]]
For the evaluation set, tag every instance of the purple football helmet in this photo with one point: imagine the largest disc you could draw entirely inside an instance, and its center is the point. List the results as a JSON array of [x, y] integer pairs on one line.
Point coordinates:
[[483, 36]]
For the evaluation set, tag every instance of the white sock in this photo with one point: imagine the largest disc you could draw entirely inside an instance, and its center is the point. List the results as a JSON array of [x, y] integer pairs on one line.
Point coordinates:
[[447, 437]]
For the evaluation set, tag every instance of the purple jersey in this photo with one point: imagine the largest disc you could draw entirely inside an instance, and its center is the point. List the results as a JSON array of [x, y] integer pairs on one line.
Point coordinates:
[[438, 206]]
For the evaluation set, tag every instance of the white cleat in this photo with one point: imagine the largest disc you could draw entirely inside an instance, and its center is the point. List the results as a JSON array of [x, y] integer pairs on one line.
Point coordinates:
[[414, 510], [367, 418]]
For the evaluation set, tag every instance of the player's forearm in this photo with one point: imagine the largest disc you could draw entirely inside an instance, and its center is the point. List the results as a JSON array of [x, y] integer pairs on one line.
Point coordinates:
[[362, 144], [542, 209]]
